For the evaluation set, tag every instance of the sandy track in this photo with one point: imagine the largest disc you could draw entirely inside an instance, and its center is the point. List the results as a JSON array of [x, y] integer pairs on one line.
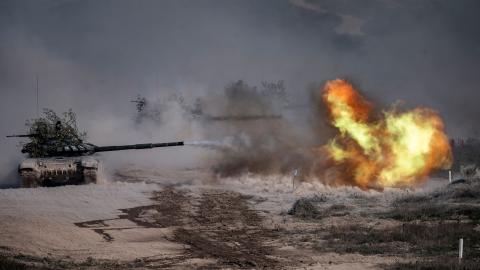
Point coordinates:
[[224, 227], [218, 229], [184, 220]]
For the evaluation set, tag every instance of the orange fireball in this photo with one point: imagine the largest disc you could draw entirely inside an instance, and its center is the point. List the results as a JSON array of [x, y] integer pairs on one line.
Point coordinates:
[[399, 149]]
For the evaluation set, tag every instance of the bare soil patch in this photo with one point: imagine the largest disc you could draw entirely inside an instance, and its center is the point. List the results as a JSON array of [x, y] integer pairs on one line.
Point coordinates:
[[227, 229]]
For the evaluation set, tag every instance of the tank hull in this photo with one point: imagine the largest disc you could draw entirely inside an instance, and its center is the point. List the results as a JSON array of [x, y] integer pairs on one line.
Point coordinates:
[[58, 171]]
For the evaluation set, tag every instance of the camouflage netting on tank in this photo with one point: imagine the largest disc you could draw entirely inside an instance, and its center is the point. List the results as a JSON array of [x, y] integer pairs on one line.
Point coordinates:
[[51, 132]]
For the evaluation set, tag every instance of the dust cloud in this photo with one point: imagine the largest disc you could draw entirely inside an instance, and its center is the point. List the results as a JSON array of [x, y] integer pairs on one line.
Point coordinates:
[[96, 56]]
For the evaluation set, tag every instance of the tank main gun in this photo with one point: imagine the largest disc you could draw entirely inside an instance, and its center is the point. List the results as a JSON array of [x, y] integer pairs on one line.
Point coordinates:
[[23, 136], [135, 146], [88, 148]]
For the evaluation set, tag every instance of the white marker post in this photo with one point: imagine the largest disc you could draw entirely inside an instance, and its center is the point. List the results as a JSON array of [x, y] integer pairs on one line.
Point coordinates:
[[295, 173], [450, 176], [460, 250]]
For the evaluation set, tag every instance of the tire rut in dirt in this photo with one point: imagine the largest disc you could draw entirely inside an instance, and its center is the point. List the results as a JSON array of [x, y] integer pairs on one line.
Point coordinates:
[[225, 228], [166, 212], [219, 225]]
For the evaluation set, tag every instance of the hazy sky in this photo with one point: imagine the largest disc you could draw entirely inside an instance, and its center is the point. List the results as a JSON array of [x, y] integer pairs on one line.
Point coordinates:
[[94, 56]]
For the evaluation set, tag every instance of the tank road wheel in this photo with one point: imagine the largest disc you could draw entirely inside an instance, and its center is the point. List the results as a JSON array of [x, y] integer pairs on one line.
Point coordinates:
[[30, 179], [90, 176]]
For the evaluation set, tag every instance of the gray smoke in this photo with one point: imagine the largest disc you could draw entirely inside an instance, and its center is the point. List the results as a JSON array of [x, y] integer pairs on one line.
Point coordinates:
[[213, 145], [253, 127], [95, 56]]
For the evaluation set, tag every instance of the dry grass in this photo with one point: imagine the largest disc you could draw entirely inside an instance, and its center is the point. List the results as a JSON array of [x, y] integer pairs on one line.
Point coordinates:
[[308, 208], [430, 227], [455, 202], [9, 264], [433, 211], [421, 239], [28, 262], [304, 208], [437, 264]]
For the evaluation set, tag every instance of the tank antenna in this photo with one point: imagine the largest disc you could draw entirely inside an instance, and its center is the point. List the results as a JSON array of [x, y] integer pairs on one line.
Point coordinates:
[[36, 77]]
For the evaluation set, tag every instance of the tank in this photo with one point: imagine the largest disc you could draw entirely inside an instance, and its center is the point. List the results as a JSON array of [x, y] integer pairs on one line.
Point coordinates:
[[71, 164], [58, 155]]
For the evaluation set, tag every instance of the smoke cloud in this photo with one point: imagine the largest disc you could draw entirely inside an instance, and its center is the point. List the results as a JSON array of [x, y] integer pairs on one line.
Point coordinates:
[[96, 56]]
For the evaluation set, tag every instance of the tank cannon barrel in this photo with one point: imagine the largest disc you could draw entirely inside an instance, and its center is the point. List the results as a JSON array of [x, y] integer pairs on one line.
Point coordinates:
[[88, 148], [135, 146], [22, 136]]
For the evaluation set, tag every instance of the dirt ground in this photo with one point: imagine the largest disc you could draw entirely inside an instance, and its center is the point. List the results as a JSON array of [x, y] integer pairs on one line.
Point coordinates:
[[146, 219]]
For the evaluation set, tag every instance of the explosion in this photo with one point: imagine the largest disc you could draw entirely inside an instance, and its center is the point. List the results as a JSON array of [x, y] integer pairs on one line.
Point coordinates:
[[397, 149]]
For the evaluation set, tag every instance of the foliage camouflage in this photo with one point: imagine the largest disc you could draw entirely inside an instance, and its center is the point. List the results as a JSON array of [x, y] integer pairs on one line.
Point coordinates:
[[52, 131]]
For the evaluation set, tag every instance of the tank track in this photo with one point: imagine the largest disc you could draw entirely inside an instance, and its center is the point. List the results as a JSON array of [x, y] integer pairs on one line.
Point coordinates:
[[90, 176], [30, 179]]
